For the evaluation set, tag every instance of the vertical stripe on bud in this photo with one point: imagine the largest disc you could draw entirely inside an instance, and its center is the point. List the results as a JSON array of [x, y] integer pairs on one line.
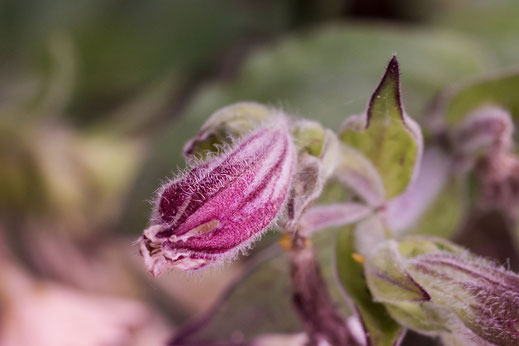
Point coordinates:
[[222, 204]]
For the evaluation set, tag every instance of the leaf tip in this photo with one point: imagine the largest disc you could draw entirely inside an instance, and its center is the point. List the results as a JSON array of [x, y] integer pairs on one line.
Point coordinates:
[[393, 69], [390, 82]]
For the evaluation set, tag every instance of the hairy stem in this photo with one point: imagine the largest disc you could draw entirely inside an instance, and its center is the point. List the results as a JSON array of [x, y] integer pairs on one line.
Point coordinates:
[[311, 299]]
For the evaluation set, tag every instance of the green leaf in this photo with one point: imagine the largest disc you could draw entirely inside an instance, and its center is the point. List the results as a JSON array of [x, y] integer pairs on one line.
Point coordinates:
[[358, 173], [386, 135], [381, 329], [442, 218], [499, 91], [258, 303]]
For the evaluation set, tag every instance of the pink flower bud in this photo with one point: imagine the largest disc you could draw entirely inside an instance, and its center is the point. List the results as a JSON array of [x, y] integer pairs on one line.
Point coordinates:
[[485, 297], [221, 205], [433, 286]]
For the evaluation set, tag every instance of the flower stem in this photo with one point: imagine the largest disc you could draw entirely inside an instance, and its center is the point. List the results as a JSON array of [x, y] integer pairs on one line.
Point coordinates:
[[312, 300]]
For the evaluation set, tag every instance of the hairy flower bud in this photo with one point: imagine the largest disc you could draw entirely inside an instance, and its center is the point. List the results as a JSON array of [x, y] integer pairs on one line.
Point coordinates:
[[457, 287], [221, 204]]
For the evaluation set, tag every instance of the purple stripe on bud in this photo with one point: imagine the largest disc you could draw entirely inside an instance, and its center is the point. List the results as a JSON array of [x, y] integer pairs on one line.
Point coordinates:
[[221, 205]]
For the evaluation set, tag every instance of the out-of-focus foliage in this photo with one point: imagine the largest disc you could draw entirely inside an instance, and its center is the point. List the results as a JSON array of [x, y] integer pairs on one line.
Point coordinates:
[[97, 99], [498, 91]]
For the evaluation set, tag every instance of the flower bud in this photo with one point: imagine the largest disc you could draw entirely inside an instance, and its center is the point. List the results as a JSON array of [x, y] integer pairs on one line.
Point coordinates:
[[484, 130], [482, 297], [221, 205]]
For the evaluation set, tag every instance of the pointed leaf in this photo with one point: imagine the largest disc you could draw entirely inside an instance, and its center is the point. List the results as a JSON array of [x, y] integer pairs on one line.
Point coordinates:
[[386, 135]]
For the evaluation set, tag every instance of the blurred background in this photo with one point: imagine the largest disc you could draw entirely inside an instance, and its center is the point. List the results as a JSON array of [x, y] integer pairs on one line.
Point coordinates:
[[97, 99]]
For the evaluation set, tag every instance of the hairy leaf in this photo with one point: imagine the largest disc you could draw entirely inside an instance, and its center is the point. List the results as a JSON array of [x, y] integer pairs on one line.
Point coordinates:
[[386, 135]]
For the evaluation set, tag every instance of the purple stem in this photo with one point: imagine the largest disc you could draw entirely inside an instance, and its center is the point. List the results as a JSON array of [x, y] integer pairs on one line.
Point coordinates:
[[312, 300]]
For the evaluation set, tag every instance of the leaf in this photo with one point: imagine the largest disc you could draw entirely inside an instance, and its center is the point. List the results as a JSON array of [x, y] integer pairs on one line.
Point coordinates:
[[258, 303], [443, 216], [386, 135], [381, 329], [409, 209], [358, 173], [496, 91], [332, 215]]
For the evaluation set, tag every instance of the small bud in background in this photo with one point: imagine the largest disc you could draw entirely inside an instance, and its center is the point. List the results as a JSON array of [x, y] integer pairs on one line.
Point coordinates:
[[484, 130], [229, 122], [459, 285], [223, 204], [484, 141]]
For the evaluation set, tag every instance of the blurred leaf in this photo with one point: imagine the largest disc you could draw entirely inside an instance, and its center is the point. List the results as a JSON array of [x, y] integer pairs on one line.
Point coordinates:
[[125, 46], [433, 204], [499, 29], [58, 84], [500, 91], [380, 327], [162, 161], [22, 187], [327, 74], [386, 135], [258, 303], [443, 217]]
